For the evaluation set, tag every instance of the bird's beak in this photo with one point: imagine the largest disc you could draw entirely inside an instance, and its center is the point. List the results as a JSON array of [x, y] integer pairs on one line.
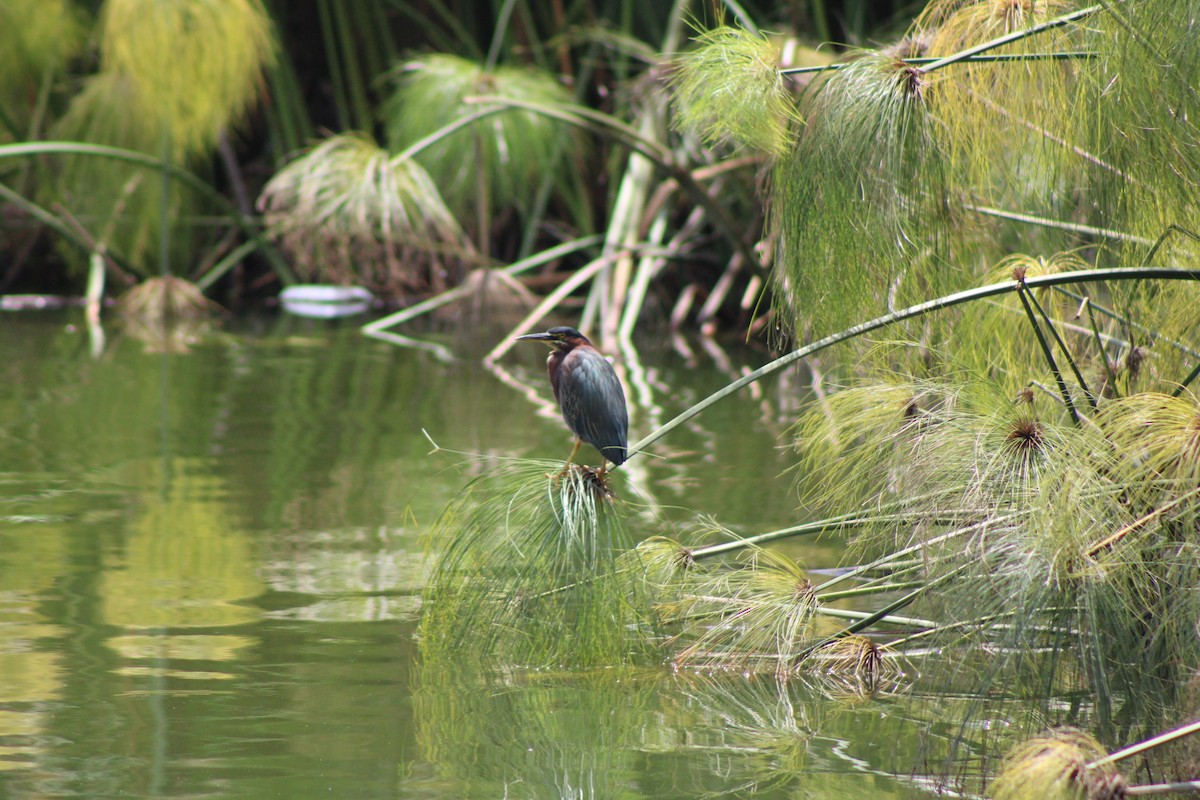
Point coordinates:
[[536, 337]]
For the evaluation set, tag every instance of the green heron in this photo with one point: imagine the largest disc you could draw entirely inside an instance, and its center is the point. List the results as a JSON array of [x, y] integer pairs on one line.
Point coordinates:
[[588, 392]]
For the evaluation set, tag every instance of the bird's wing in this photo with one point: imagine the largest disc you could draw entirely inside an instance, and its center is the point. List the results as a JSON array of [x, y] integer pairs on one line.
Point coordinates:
[[593, 404]]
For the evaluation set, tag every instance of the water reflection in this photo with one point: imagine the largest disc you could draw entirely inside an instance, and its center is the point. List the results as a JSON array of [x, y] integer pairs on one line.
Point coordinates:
[[648, 733], [32, 679], [181, 564], [162, 655], [345, 574], [33, 543], [212, 562]]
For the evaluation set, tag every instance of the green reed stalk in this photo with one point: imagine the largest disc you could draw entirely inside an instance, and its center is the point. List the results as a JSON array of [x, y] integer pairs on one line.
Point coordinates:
[[912, 312], [246, 223], [1063, 347]]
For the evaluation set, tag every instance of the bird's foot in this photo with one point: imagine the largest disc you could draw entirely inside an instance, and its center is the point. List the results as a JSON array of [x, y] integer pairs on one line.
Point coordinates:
[[562, 473], [597, 481]]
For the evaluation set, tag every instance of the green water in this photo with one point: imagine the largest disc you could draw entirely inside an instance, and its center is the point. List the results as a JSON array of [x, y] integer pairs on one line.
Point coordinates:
[[211, 564]]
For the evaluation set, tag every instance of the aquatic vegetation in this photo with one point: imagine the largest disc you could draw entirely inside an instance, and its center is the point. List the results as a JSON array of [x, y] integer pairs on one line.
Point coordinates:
[[1018, 462]]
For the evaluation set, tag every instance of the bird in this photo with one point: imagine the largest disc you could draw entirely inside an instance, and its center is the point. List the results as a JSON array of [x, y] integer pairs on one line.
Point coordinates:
[[589, 394]]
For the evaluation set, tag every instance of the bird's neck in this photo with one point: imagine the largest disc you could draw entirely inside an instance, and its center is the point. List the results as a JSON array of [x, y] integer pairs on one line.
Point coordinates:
[[553, 362]]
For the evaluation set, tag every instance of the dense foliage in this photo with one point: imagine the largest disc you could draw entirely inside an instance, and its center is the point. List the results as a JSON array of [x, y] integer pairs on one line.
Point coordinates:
[[1006, 193], [235, 91]]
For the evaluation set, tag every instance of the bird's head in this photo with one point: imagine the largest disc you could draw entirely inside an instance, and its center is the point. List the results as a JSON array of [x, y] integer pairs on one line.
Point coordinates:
[[560, 338]]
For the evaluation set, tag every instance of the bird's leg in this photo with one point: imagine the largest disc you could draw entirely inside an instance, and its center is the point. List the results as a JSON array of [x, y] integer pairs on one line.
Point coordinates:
[[571, 458]]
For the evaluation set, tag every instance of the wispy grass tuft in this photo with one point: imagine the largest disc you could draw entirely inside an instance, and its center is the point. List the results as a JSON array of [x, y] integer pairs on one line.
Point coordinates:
[[998, 338], [757, 617], [1156, 438], [166, 299], [1141, 104], [729, 87], [853, 664], [1064, 550], [858, 208], [1057, 767], [197, 67], [666, 567], [37, 39], [499, 160], [1014, 131], [530, 574], [167, 314], [854, 443], [348, 212]]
